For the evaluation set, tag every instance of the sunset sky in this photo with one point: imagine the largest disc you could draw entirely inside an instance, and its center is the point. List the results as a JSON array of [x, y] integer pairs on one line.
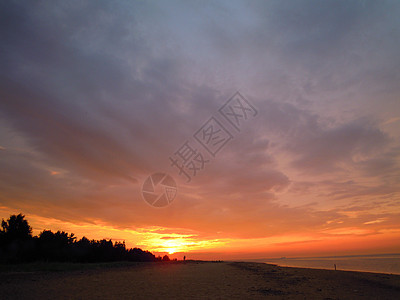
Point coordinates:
[[95, 96]]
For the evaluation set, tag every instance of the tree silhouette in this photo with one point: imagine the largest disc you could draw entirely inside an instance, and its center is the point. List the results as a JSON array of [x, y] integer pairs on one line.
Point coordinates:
[[165, 258], [18, 245], [55, 246], [16, 227], [16, 241]]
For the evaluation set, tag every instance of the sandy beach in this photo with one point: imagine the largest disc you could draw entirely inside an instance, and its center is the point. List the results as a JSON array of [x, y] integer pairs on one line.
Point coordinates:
[[199, 280]]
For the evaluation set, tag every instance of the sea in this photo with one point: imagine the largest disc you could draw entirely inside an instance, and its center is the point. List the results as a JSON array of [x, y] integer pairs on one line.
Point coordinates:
[[378, 263]]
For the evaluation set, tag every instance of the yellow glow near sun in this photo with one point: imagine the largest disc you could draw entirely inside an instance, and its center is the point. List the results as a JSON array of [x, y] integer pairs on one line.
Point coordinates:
[[153, 239], [178, 244], [173, 243], [171, 250]]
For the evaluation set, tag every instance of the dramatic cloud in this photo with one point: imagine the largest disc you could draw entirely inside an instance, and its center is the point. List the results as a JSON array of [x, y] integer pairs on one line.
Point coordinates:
[[95, 96]]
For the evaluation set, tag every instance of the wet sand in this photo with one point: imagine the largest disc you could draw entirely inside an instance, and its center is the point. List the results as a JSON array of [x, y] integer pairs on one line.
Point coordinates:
[[199, 280]]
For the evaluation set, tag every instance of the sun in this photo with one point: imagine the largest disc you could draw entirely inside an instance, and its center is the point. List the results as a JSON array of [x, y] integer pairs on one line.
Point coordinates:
[[171, 250], [173, 245]]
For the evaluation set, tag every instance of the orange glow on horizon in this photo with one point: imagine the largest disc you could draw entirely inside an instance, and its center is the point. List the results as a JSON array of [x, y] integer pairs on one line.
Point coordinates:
[[160, 241]]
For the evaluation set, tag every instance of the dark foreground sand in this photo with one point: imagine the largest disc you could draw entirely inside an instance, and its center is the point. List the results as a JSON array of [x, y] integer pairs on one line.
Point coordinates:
[[199, 280]]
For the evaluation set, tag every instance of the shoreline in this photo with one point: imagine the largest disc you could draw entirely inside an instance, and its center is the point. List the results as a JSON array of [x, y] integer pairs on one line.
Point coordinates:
[[332, 269], [375, 263]]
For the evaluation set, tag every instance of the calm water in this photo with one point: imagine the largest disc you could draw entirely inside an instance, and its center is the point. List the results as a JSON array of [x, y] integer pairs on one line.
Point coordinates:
[[388, 263]]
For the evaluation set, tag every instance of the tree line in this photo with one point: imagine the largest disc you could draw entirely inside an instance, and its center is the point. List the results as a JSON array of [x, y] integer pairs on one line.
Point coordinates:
[[18, 245]]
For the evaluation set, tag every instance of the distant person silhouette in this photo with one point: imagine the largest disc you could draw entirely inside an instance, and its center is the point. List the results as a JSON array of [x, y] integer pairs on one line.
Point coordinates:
[[184, 258]]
